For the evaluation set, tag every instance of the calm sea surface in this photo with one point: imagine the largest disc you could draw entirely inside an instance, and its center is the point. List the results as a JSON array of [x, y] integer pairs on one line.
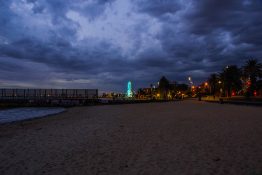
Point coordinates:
[[17, 114]]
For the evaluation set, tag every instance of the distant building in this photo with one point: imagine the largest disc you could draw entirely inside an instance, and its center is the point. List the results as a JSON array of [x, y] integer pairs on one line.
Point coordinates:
[[147, 93]]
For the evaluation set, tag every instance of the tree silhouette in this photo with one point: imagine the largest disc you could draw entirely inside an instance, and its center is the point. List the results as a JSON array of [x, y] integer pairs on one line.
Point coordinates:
[[230, 77], [252, 70], [182, 87], [213, 82], [163, 87]]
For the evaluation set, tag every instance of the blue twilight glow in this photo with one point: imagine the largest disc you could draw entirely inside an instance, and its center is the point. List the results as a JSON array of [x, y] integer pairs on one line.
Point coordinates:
[[129, 89]]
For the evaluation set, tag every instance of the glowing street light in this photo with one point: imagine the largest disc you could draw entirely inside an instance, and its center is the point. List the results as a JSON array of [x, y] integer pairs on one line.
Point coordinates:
[[190, 81]]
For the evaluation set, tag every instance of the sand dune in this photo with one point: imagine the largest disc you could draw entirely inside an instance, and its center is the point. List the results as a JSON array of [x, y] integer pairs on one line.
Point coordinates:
[[187, 137]]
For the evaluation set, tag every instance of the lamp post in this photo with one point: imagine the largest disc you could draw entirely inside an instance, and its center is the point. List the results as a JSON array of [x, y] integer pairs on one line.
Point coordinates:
[[221, 90]]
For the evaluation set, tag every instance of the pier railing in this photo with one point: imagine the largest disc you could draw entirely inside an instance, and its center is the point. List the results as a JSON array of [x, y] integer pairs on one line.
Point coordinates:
[[33, 94]]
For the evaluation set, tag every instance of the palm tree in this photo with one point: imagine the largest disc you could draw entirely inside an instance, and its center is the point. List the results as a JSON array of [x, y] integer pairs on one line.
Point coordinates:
[[252, 70], [230, 77], [213, 82]]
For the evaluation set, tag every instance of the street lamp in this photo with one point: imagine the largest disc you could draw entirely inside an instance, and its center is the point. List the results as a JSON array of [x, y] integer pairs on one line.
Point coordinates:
[[221, 90]]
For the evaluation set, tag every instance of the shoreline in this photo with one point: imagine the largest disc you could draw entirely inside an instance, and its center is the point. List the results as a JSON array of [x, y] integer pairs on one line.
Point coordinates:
[[21, 114]]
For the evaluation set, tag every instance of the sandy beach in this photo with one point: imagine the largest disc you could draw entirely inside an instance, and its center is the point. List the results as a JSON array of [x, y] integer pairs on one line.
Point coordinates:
[[186, 137]]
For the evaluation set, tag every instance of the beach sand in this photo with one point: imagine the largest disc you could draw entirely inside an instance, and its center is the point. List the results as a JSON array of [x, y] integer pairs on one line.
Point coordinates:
[[187, 137]]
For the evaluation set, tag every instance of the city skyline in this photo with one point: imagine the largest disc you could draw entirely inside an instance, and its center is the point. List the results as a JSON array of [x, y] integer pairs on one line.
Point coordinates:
[[103, 44]]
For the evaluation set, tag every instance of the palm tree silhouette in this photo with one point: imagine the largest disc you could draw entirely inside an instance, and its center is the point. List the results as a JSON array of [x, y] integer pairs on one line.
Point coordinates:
[[230, 77], [251, 71]]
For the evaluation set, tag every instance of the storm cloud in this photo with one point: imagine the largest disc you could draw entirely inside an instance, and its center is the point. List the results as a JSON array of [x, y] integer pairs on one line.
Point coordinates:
[[104, 43]]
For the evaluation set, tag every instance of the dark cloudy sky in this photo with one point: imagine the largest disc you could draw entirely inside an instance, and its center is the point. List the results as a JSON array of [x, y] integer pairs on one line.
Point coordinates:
[[104, 43]]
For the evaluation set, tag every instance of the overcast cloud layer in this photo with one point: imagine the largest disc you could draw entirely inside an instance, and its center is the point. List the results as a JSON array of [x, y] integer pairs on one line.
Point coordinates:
[[104, 43]]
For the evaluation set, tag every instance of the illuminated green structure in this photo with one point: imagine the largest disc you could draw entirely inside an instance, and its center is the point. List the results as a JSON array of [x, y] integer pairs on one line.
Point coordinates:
[[129, 89]]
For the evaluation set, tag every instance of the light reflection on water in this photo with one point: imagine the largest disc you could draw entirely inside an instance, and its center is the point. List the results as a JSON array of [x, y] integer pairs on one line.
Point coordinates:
[[18, 114]]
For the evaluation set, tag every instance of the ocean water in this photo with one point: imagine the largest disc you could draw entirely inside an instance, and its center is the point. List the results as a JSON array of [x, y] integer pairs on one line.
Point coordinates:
[[18, 114]]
